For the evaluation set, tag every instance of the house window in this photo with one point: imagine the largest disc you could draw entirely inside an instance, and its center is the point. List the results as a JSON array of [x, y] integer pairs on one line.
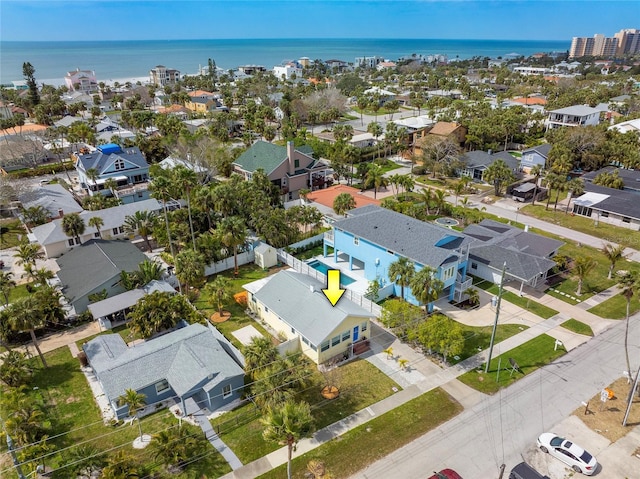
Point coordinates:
[[448, 273], [296, 163], [115, 231], [346, 335], [390, 252], [356, 240], [604, 214], [162, 386], [226, 391], [474, 265], [363, 327], [305, 340], [324, 345], [140, 194], [70, 241], [335, 340], [119, 164], [313, 346], [96, 235], [293, 331], [626, 219], [121, 229], [266, 310]]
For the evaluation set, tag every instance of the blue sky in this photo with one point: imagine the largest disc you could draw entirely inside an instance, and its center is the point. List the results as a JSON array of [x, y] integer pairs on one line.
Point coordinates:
[[437, 19]]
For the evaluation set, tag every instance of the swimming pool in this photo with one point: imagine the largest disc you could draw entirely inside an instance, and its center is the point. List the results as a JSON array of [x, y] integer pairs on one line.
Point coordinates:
[[323, 268]]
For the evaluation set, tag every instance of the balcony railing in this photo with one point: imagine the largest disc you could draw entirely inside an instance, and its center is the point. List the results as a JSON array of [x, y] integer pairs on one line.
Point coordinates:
[[462, 286], [328, 237]]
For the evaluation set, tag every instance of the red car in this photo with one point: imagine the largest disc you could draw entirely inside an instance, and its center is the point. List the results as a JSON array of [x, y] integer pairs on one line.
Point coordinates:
[[446, 474]]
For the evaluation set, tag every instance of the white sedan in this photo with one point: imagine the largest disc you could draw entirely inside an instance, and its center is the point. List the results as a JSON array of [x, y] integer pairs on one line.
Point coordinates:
[[568, 452]]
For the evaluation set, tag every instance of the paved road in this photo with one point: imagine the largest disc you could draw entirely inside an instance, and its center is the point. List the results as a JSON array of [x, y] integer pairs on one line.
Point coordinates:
[[501, 427]]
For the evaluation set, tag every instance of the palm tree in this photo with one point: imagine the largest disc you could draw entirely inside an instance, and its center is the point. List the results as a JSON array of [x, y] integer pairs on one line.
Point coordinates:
[[426, 287], [120, 466], [142, 223], [426, 196], [149, 271], [218, 291], [630, 285], [343, 203], [581, 268], [36, 215], [401, 272], [258, 354], [376, 130], [473, 296], [96, 222], [287, 424], [28, 253], [111, 184], [233, 233], [6, 285], [187, 179], [26, 315], [613, 254], [160, 187], [73, 226], [375, 176], [536, 172], [135, 401], [189, 268], [92, 174]]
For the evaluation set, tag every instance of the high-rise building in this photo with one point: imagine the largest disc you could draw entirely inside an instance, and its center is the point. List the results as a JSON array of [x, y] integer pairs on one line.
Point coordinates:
[[596, 46], [628, 42]]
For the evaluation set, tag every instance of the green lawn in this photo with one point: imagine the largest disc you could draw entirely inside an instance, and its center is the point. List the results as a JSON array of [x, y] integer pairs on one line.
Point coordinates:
[[20, 291], [239, 318], [387, 165], [616, 307], [365, 444], [522, 301], [530, 356], [75, 418], [478, 338], [608, 233], [11, 233], [361, 384], [577, 327]]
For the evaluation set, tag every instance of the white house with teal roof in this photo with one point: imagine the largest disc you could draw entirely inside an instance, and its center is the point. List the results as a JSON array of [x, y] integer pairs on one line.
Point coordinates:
[[371, 238], [291, 169], [126, 166]]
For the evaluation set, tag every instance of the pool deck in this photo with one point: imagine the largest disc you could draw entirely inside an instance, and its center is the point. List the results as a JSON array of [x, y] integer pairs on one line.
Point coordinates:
[[360, 283]]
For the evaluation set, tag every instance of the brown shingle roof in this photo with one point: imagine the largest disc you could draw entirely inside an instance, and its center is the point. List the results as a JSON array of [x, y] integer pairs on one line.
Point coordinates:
[[444, 128]]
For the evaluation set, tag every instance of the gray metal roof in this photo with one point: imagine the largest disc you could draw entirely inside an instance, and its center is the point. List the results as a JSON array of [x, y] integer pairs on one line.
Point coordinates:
[[298, 300], [49, 233], [51, 197], [621, 202], [576, 110], [94, 263], [131, 156], [542, 150], [479, 159], [116, 303], [187, 358], [526, 253], [424, 243]]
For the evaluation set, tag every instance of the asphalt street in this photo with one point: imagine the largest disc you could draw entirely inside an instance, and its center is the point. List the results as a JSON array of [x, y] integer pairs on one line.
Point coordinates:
[[502, 428]]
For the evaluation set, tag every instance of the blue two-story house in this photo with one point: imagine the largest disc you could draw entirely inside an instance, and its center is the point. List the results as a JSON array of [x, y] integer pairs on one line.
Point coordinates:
[[371, 238], [126, 166]]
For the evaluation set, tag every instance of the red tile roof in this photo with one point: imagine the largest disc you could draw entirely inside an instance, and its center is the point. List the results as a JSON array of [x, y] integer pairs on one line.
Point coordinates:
[[326, 196]]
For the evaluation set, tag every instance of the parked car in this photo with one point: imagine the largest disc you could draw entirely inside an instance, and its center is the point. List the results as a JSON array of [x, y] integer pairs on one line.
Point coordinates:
[[446, 474], [568, 452], [525, 471]]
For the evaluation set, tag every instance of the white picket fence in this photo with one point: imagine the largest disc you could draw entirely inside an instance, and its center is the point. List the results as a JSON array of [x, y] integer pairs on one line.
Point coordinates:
[[304, 268], [228, 263]]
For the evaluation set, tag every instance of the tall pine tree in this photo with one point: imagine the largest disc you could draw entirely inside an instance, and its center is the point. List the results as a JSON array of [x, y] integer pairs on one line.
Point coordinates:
[[29, 75]]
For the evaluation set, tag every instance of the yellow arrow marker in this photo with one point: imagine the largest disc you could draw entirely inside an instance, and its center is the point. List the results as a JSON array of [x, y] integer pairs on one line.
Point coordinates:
[[333, 291]]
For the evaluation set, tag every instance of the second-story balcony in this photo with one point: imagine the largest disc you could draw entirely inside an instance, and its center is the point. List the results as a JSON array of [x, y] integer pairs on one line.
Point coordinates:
[[328, 237], [462, 284]]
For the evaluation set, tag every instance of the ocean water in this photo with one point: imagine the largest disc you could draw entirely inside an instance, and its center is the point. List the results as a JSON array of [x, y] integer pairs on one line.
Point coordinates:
[[128, 59]]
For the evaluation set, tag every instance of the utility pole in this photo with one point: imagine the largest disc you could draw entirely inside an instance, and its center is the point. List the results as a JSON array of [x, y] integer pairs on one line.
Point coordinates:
[[495, 322], [630, 401]]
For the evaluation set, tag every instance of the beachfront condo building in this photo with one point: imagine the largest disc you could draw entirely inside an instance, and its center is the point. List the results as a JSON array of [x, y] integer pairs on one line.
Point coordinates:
[[161, 75], [628, 41], [596, 46]]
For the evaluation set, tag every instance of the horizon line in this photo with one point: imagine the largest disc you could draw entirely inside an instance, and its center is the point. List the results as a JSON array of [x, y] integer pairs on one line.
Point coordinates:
[[287, 38]]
